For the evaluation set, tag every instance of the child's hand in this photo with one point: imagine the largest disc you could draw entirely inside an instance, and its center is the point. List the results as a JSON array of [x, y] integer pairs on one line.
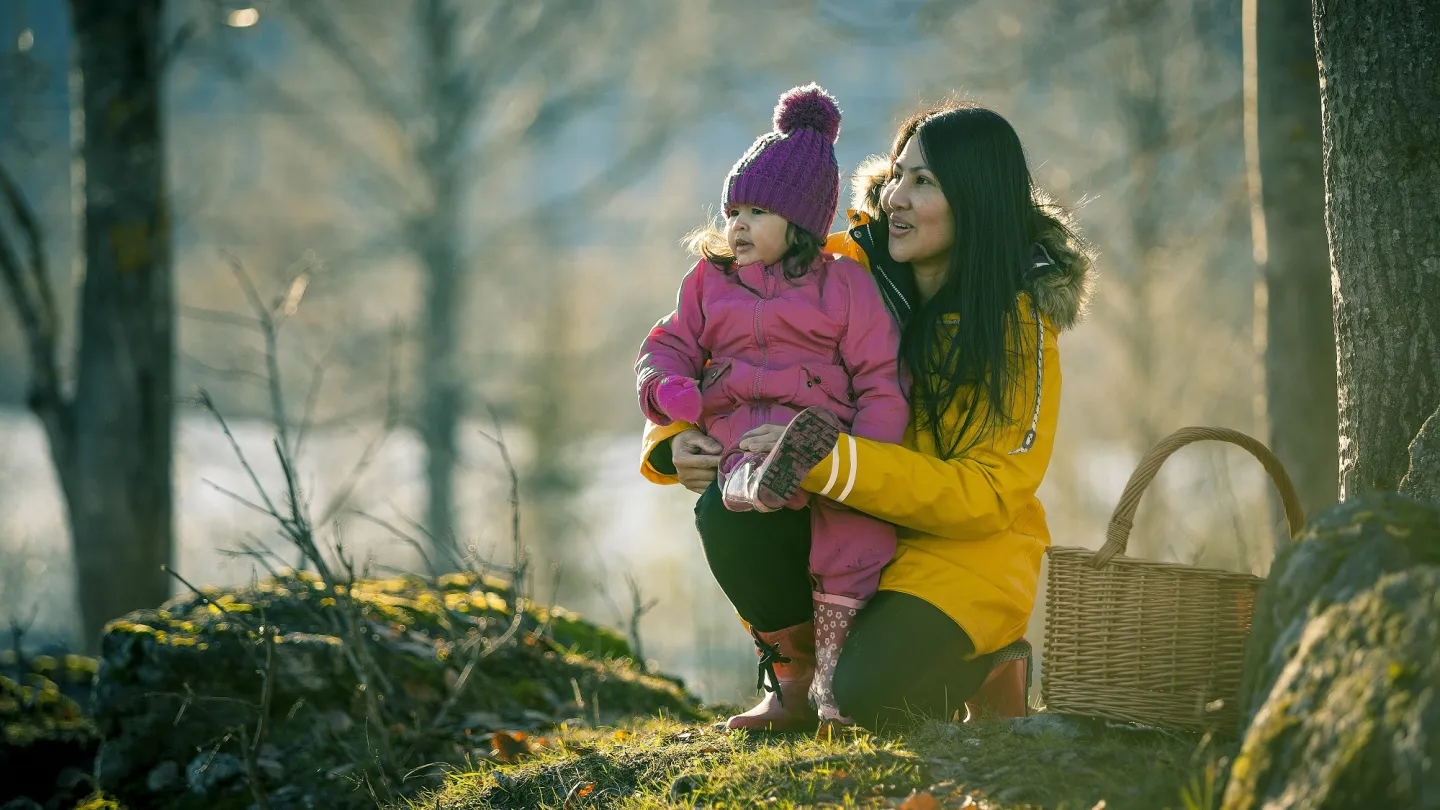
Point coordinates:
[[679, 398], [761, 439]]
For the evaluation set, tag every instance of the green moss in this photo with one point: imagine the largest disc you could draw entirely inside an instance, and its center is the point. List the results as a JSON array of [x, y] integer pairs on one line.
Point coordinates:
[[37, 710], [663, 764], [99, 801], [200, 655]]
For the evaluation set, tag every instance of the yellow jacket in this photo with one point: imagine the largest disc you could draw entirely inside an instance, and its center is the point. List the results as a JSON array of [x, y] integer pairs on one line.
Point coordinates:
[[971, 530]]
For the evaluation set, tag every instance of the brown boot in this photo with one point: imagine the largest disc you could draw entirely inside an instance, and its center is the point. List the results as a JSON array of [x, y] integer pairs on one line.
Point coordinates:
[[787, 666], [1006, 691], [834, 616]]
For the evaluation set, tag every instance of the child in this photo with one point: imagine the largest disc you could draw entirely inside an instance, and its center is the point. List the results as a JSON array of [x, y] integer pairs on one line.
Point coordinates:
[[770, 329]]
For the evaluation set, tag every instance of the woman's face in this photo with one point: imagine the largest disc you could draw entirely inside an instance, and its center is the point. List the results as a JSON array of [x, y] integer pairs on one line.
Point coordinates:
[[922, 229], [756, 235]]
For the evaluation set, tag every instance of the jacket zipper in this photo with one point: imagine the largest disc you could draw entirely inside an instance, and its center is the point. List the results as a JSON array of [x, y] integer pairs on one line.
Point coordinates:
[[862, 236], [760, 341]]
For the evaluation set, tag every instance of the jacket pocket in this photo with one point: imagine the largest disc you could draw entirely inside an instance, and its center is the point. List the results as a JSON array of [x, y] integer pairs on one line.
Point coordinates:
[[830, 386], [712, 390]]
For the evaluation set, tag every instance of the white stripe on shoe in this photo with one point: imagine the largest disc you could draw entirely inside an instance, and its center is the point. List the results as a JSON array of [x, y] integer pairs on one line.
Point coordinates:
[[854, 465], [834, 471]]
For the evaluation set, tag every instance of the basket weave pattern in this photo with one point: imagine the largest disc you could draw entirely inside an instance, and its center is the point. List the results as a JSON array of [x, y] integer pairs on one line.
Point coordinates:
[[1152, 642]]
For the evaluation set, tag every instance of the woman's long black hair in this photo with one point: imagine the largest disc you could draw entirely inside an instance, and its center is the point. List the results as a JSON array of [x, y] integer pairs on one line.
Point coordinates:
[[965, 336]]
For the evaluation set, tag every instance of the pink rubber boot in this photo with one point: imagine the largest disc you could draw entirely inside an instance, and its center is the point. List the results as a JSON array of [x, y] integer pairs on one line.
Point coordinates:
[[834, 616], [787, 658]]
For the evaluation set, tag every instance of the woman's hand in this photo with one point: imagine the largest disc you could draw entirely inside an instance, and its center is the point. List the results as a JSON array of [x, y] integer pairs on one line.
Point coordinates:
[[696, 458], [761, 439]]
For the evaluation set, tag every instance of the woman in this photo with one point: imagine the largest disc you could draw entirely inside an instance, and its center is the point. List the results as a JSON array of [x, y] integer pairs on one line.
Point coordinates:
[[981, 273]]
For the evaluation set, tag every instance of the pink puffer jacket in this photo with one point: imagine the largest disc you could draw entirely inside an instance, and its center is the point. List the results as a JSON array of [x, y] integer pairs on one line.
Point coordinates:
[[764, 347]]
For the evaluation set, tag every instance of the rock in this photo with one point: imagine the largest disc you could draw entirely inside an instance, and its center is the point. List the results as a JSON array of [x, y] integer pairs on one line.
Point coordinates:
[[163, 778], [1341, 554], [22, 803], [1354, 717], [44, 735], [1057, 725], [289, 797], [208, 772], [186, 677], [684, 785], [271, 770], [1422, 480]]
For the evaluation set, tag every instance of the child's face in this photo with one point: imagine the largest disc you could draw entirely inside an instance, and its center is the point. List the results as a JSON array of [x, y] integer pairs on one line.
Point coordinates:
[[756, 235]]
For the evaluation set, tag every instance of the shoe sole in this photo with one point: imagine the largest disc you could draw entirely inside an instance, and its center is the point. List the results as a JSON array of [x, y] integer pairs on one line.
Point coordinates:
[[807, 440]]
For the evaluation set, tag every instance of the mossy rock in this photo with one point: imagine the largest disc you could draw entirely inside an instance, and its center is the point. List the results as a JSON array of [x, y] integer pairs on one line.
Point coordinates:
[[177, 684], [1354, 717], [47, 744], [1342, 553]]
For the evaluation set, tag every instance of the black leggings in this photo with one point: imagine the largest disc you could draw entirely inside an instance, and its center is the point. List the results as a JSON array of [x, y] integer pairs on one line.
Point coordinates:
[[904, 657]]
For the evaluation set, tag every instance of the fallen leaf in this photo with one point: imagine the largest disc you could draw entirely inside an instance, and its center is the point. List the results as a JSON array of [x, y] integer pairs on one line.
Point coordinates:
[[622, 735], [510, 747], [581, 790], [920, 801]]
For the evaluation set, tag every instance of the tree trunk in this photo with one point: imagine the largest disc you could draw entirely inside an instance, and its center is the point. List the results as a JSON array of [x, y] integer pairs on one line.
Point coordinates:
[[444, 395], [1381, 118], [443, 269], [117, 474], [1290, 251]]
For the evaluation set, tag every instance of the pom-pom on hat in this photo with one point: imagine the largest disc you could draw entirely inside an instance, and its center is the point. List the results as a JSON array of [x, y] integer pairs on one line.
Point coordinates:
[[791, 170]]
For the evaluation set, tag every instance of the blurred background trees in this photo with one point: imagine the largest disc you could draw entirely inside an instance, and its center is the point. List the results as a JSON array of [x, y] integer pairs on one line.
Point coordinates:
[[488, 198]]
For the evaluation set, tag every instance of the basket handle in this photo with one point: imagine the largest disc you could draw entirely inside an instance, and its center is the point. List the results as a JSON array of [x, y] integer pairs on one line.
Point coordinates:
[[1117, 536]]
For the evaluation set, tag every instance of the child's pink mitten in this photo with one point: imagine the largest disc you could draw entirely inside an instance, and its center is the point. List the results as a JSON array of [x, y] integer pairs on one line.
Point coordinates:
[[679, 399]]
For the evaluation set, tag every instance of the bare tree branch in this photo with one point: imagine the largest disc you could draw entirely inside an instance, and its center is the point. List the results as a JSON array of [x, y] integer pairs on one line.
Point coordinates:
[[321, 23], [301, 114], [34, 301]]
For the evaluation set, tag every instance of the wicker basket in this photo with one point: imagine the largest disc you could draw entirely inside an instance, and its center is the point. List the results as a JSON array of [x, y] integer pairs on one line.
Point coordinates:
[[1152, 642]]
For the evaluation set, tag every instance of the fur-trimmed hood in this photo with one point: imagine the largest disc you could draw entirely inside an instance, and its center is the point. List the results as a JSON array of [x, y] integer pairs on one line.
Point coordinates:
[[1062, 294]]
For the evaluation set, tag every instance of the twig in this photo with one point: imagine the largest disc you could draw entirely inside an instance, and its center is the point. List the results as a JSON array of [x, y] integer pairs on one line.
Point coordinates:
[[218, 316], [267, 688], [520, 564], [479, 653], [317, 380], [554, 596], [416, 544], [240, 499], [252, 771], [638, 608], [18, 629], [207, 600], [456, 560], [203, 397]]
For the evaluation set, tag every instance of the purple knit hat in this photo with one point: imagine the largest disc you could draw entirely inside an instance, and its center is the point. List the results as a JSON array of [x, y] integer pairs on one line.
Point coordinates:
[[791, 170]]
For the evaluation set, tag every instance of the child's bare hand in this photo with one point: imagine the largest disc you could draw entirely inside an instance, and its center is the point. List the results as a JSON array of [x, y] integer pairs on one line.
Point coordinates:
[[761, 439]]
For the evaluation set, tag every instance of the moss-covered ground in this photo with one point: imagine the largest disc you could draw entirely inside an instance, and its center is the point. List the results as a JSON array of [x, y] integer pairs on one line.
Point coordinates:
[[664, 764]]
